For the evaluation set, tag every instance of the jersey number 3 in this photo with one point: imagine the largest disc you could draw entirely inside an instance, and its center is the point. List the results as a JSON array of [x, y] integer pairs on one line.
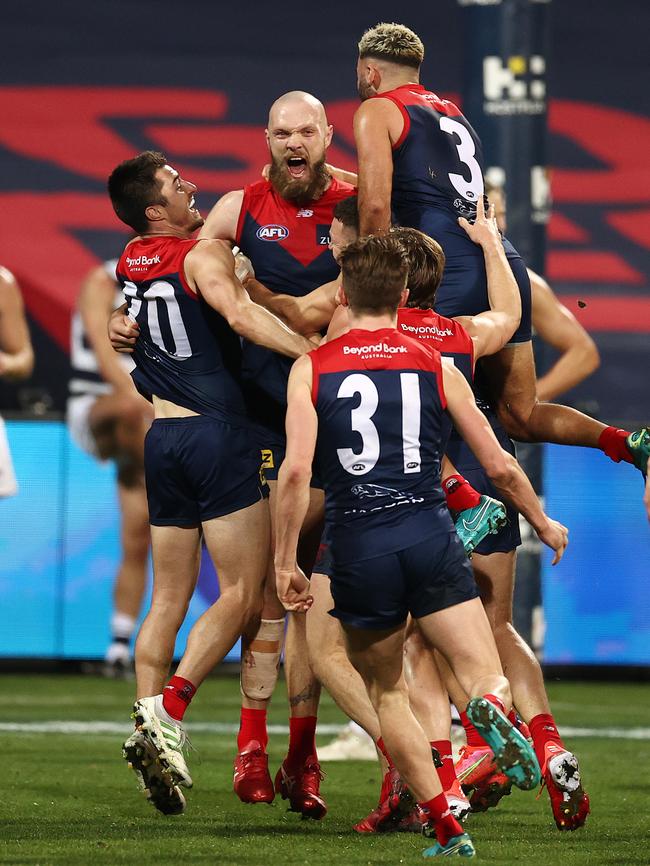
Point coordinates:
[[470, 189], [360, 463]]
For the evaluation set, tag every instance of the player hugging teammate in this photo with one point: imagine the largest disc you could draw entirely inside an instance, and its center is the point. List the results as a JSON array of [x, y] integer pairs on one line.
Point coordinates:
[[368, 421]]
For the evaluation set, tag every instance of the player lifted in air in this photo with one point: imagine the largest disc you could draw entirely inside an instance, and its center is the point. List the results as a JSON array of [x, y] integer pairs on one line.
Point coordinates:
[[420, 159], [201, 464]]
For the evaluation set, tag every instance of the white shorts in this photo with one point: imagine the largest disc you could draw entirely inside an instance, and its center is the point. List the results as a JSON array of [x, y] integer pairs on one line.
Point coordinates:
[[8, 483], [76, 417]]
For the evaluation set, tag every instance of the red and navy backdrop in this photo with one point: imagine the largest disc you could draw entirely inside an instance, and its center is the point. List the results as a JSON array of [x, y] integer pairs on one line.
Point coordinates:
[[85, 85]]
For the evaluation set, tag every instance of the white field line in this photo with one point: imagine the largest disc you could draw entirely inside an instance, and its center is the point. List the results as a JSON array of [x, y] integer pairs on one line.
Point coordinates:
[[110, 728]]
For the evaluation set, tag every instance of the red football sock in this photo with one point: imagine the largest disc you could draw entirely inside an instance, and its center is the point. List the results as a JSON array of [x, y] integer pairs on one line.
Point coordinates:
[[473, 736], [252, 726], [382, 748], [302, 740], [445, 769], [459, 493], [442, 819], [543, 730], [177, 695], [612, 442], [493, 699]]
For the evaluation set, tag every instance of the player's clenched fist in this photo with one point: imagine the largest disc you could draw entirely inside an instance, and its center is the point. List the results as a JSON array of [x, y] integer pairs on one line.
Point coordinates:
[[292, 586]]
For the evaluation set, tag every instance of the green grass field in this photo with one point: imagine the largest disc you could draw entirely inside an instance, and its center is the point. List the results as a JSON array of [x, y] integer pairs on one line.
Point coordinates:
[[68, 798]]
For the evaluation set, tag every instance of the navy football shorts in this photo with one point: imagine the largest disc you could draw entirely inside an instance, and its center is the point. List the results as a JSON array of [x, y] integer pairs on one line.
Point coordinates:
[[508, 537], [463, 290], [197, 468], [272, 448], [379, 593]]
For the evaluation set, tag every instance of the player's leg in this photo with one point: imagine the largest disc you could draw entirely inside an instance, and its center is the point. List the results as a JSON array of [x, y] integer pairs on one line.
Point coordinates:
[[131, 577], [448, 609], [299, 776], [377, 655], [330, 662], [495, 575], [511, 374], [429, 701], [116, 425], [176, 556]]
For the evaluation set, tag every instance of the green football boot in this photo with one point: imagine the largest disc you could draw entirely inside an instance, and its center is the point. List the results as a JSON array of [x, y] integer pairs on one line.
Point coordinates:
[[513, 754], [457, 846], [473, 524], [638, 444]]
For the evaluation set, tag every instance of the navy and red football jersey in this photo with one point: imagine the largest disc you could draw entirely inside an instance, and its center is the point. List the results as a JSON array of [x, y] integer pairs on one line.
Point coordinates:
[[288, 246], [380, 404], [437, 168], [449, 338], [186, 351]]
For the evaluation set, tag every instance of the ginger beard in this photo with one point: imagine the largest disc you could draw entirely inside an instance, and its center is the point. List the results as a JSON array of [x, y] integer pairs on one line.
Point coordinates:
[[298, 180]]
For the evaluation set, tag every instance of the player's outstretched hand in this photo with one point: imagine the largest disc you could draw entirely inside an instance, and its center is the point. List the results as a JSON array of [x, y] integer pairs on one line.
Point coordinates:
[[122, 331], [555, 536], [484, 229], [293, 589]]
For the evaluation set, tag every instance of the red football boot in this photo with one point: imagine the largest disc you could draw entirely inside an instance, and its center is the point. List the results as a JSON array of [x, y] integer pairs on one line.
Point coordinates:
[[474, 764], [302, 788], [458, 803], [489, 791], [395, 804], [251, 781], [569, 802]]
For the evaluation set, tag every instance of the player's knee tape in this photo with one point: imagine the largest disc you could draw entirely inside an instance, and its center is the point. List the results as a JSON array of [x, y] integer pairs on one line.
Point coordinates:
[[261, 660]]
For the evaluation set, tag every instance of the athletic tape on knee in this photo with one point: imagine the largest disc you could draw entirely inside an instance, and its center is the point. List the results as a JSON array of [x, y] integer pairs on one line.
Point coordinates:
[[260, 660]]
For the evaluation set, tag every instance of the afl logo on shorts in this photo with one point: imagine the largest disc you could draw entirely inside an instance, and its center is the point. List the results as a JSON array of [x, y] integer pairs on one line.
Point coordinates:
[[272, 233]]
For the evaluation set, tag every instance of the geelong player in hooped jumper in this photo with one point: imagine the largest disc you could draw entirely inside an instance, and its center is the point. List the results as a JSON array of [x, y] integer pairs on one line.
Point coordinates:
[[419, 157], [375, 402], [202, 469]]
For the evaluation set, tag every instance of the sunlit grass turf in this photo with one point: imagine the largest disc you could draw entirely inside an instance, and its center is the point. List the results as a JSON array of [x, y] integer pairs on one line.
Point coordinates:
[[71, 800]]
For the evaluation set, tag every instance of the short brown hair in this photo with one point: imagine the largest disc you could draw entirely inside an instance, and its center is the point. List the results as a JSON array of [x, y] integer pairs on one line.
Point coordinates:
[[426, 264], [346, 211], [392, 42], [133, 186], [374, 272]]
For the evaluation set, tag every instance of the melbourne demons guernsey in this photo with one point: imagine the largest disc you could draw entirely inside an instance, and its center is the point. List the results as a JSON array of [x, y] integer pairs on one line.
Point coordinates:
[[288, 246], [437, 169], [186, 352], [380, 405], [446, 336]]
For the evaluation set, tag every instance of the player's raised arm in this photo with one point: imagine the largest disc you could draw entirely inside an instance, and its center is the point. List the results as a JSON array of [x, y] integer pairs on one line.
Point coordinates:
[[96, 301], [293, 487], [491, 330], [307, 314], [210, 269], [558, 327], [502, 468], [372, 133], [16, 353], [222, 220]]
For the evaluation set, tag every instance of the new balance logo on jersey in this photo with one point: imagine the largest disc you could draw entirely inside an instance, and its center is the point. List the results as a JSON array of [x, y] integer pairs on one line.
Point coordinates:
[[305, 212], [371, 350], [272, 233], [424, 330], [142, 261]]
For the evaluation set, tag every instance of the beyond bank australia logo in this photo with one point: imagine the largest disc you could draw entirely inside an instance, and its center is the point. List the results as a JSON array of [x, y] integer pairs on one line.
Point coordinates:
[[272, 233]]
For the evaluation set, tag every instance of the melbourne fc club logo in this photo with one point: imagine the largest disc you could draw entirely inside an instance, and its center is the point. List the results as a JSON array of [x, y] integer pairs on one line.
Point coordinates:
[[272, 233]]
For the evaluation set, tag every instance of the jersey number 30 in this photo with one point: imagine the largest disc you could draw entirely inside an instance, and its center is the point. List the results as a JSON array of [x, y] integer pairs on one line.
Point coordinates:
[[360, 463]]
